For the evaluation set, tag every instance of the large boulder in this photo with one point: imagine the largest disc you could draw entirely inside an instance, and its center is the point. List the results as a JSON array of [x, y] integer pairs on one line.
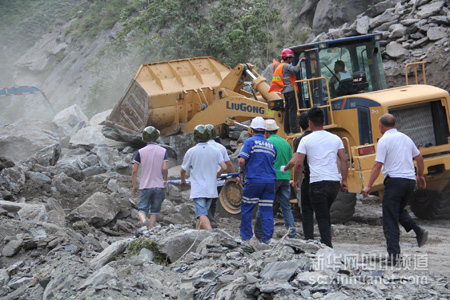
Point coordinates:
[[330, 14], [48, 156], [380, 7], [97, 210], [99, 118], [181, 144], [92, 136], [66, 185], [431, 9], [70, 120], [437, 33], [13, 179], [395, 50], [107, 157], [23, 139], [387, 16], [176, 245], [362, 25]]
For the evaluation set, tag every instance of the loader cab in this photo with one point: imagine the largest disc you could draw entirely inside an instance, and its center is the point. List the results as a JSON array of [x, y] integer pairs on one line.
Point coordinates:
[[361, 56]]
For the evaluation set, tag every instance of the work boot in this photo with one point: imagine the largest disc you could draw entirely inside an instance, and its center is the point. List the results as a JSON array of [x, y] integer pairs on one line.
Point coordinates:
[[422, 237]]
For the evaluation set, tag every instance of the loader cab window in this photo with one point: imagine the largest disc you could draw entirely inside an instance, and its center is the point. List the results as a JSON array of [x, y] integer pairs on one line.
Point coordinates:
[[311, 95], [352, 68]]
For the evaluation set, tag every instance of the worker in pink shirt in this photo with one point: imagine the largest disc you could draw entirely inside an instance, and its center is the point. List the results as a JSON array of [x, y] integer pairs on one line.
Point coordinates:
[[153, 161]]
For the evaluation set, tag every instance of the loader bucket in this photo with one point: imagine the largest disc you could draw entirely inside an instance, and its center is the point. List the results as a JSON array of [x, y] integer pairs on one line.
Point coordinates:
[[167, 94]]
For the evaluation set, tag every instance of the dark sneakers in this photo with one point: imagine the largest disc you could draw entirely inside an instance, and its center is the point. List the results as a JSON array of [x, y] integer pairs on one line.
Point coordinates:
[[422, 237]]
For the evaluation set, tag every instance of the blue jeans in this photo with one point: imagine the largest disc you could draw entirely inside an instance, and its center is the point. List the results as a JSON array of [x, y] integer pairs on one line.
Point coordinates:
[[282, 195], [263, 195], [151, 199], [202, 206]]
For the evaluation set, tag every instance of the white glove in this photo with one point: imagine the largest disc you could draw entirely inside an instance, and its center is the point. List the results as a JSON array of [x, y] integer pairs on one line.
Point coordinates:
[[282, 169]]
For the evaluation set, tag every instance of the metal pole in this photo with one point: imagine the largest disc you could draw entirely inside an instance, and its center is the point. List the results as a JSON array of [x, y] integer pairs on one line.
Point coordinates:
[[48, 101]]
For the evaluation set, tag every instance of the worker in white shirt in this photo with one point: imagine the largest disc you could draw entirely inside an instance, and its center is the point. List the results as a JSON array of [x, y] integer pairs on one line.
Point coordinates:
[[323, 149], [226, 159], [395, 154]]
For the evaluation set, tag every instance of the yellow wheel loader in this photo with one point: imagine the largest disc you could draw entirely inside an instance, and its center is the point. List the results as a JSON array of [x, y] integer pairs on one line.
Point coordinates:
[[175, 96]]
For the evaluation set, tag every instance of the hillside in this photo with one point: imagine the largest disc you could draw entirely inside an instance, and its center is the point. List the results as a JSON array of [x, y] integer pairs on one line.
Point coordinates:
[[86, 52]]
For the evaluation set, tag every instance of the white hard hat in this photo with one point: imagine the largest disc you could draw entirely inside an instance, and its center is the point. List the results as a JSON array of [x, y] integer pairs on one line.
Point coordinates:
[[271, 125], [258, 123]]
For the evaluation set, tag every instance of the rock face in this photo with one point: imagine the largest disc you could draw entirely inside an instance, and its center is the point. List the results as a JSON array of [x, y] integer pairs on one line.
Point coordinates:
[[336, 13], [97, 210], [70, 120]]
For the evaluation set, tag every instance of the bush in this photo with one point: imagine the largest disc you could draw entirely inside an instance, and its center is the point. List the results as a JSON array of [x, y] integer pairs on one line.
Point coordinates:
[[138, 244]]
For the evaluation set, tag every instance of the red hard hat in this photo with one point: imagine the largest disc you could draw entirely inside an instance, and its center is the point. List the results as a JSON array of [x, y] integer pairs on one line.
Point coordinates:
[[287, 53]]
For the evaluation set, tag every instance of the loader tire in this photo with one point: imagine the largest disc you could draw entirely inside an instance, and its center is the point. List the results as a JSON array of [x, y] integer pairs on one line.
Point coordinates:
[[431, 205], [343, 208], [229, 202]]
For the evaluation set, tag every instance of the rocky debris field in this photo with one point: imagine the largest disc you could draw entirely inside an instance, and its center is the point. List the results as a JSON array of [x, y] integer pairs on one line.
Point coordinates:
[[68, 222], [414, 30]]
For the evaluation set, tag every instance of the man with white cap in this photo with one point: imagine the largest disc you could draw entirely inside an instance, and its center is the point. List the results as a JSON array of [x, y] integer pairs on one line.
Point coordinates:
[[282, 185], [256, 161]]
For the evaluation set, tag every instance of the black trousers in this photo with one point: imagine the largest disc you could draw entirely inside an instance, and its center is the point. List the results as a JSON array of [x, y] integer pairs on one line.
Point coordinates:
[[212, 208], [307, 210], [397, 192], [290, 113], [323, 194]]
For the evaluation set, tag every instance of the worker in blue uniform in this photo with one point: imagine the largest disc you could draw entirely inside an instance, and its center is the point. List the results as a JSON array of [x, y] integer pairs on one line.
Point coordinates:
[[256, 161]]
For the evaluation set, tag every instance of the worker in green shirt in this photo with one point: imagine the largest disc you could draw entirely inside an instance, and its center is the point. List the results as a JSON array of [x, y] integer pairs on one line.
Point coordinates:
[[282, 185]]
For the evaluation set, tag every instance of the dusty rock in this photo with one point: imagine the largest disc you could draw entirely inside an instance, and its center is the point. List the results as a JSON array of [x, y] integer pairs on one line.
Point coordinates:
[[181, 143], [146, 255], [337, 296], [92, 136], [33, 213], [97, 210], [108, 157], [4, 278], [280, 271], [66, 185], [12, 248], [39, 178], [362, 25], [16, 283], [175, 246], [94, 170], [99, 118], [100, 277], [380, 7], [48, 156], [14, 178], [437, 33], [442, 20], [70, 120], [397, 31], [313, 278], [395, 50], [109, 254], [431, 9], [23, 139], [387, 16], [55, 212]]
